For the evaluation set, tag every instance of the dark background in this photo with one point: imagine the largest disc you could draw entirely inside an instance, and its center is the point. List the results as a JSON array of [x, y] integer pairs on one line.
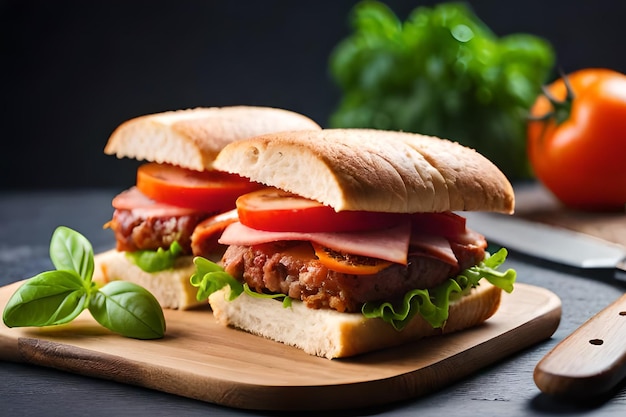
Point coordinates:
[[72, 71]]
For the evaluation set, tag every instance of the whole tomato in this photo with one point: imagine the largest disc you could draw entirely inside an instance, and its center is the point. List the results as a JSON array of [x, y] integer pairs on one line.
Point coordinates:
[[577, 139]]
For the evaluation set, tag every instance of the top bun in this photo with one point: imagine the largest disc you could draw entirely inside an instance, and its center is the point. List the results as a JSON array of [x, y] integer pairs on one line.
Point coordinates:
[[372, 170], [192, 138]]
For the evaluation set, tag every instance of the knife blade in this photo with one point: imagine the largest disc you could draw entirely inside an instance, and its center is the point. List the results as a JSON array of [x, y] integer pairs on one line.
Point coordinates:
[[551, 243], [592, 359]]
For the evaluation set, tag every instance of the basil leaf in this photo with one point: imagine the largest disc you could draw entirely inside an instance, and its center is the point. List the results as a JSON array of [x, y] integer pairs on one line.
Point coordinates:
[[69, 250], [52, 297], [128, 309], [156, 260], [56, 297]]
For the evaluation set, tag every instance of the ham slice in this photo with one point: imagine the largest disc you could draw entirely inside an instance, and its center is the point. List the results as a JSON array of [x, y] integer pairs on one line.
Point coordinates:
[[142, 206], [436, 246], [389, 244]]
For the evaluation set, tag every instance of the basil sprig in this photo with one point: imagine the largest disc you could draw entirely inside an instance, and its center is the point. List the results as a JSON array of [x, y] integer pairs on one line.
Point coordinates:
[[59, 296]]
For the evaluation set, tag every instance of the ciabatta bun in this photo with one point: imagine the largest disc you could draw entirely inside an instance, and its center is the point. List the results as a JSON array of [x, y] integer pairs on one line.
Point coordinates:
[[368, 170], [330, 334], [372, 170], [192, 138]]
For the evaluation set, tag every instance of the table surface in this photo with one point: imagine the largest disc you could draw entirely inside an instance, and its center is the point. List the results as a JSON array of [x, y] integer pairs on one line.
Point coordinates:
[[27, 220]]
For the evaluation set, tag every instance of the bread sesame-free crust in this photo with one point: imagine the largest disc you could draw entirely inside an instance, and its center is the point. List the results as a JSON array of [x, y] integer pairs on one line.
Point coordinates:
[[192, 138], [373, 170]]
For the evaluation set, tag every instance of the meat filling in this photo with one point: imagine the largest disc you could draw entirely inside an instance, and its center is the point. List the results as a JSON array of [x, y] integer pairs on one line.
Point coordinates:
[[291, 268], [133, 233]]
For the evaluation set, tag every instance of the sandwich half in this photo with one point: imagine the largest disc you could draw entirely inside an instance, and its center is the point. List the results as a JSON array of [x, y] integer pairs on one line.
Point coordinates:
[[177, 192], [357, 243]]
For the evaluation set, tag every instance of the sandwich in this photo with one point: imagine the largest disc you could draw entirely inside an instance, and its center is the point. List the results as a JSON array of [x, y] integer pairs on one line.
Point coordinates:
[[177, 192], [357, 241]]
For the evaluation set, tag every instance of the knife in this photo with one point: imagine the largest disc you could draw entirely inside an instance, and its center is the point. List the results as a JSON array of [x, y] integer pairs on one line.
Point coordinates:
[[592, 360], [551, 243]]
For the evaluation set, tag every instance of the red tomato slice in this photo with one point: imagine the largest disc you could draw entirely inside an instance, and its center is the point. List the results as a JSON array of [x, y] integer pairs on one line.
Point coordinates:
[[204, 239], [209, 191], [279, 211], [349, 264]]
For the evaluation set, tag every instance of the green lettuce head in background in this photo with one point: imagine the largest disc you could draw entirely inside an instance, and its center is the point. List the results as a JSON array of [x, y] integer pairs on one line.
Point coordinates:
[[442, 72]]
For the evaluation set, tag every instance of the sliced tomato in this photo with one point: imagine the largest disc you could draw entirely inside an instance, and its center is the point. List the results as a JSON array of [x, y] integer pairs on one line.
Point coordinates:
[[204, 239], [347, 263], [210, 191], [445, 224], [275, 210]]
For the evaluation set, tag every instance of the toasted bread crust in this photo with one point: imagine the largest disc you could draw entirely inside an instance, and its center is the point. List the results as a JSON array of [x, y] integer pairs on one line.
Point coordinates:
[[374, 170], [192, 138]]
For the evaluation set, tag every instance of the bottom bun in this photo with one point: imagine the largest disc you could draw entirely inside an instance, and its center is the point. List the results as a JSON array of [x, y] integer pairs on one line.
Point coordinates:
[[171, 287], [330, 334]]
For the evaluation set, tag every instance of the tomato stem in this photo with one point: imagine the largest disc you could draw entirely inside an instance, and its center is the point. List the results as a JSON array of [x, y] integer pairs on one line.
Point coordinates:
[[561, 109]]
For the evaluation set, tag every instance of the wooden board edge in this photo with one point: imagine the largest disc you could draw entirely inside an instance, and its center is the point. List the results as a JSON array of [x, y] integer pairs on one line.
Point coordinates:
[[291, 398]]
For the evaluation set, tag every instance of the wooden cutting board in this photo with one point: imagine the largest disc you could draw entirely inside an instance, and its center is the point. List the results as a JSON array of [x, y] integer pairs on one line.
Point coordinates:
[[203, 360]]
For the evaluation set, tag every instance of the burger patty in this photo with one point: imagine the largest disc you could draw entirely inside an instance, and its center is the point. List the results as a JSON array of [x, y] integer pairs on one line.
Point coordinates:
[[133, 233], [291, 268]]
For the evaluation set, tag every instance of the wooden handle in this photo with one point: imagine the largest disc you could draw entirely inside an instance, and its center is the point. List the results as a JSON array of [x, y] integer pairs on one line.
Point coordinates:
[[589, 362]]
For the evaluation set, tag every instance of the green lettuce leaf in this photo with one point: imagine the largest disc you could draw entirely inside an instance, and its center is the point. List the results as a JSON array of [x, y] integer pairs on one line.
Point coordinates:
[[210, 277], [433, 305], [285, 298], [156, 260]]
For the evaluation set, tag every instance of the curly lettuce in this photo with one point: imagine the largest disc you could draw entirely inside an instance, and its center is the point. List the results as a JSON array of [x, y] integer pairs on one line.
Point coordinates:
[[432, 304], [209, 277]]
